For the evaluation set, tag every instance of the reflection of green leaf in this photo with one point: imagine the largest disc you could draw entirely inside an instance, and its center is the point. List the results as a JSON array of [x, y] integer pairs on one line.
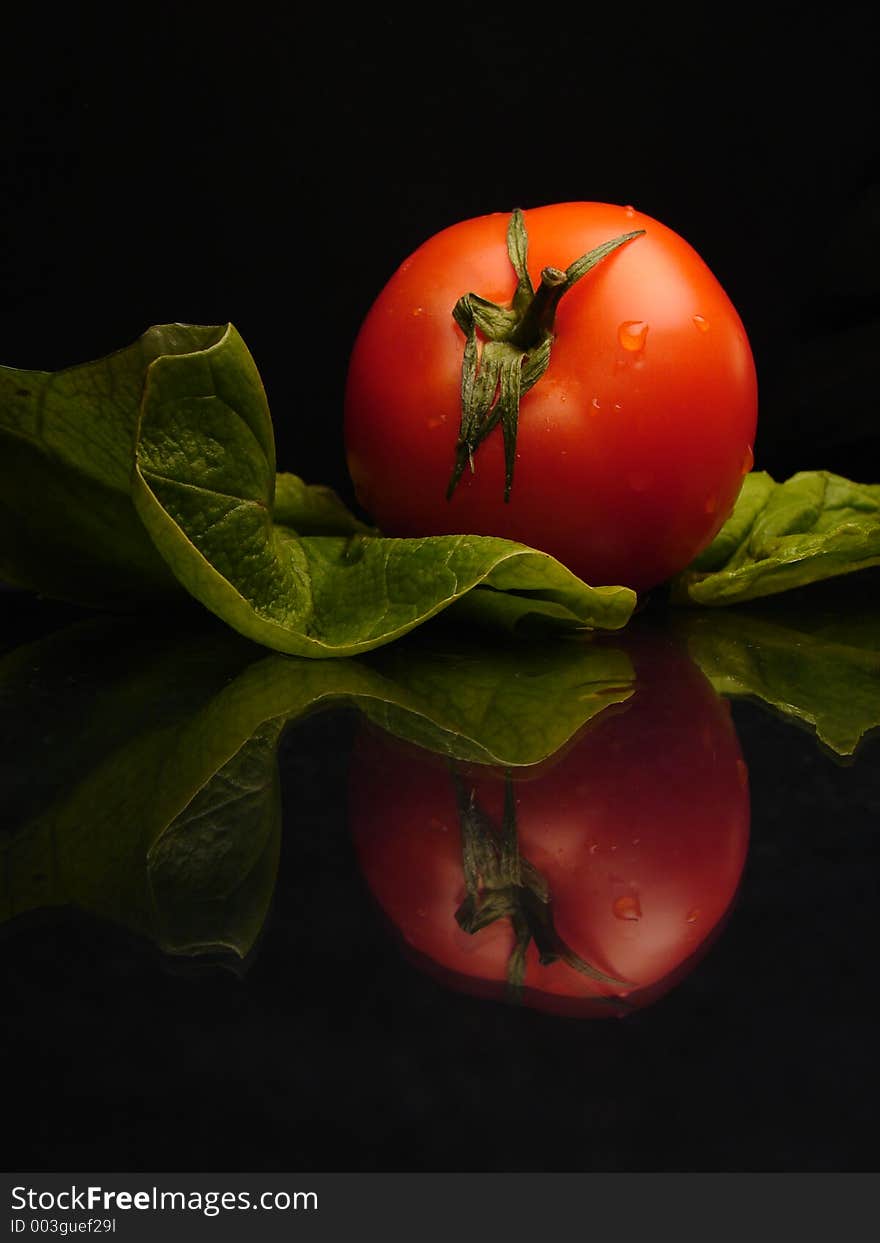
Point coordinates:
[[89, 807], [155, 468], [509, 709], [509, 706], [139, 782], [817, 665], [89, 691], [212, 872], [783, 535]]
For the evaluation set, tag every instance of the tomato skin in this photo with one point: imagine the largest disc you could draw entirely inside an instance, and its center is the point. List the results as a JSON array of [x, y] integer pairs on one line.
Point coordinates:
[[640, 830], [628, 460]]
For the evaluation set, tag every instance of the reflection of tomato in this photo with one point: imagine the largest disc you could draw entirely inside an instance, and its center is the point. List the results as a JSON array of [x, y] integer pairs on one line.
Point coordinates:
[[639, 830], [630, 449]]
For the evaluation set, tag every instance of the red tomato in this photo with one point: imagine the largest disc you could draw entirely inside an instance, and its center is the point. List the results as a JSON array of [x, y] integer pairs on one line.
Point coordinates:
[[630, 448], [639, 831]]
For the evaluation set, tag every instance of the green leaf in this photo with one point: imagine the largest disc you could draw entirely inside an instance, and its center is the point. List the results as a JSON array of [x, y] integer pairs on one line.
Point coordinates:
[[204, 489], [139, 778], [154, 468], [817, 664], [310, 509], [780, 536], [68, 527]]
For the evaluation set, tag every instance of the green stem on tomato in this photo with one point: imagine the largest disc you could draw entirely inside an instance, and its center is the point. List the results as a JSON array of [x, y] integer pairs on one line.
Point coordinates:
[[512, 350]]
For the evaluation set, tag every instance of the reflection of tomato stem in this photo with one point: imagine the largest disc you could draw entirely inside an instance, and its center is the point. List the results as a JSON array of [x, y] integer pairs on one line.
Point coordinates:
[[501, 884]]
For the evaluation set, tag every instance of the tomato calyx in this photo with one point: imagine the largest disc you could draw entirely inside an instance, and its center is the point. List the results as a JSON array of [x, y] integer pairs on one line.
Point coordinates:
[[512, 350], [502, 884]]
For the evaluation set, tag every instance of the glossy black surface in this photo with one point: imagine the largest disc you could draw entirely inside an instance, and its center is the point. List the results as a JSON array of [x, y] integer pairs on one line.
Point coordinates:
[[327, 1049]]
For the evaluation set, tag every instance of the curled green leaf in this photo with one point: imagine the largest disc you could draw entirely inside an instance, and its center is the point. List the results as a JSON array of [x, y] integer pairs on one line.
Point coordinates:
[[154, 469]]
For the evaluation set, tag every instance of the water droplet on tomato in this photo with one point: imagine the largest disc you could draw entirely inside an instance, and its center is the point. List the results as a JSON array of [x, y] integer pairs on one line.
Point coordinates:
[[627, 906], [701, 322], [419, 310], [435, 423], [693, 916], [748, 461], [631, 334], [594, 849], [629, 210], [618, 406], [596, 404], [711, 504]]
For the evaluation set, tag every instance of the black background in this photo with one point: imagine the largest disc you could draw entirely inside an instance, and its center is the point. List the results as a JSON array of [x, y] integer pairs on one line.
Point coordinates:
[[273, 169]]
